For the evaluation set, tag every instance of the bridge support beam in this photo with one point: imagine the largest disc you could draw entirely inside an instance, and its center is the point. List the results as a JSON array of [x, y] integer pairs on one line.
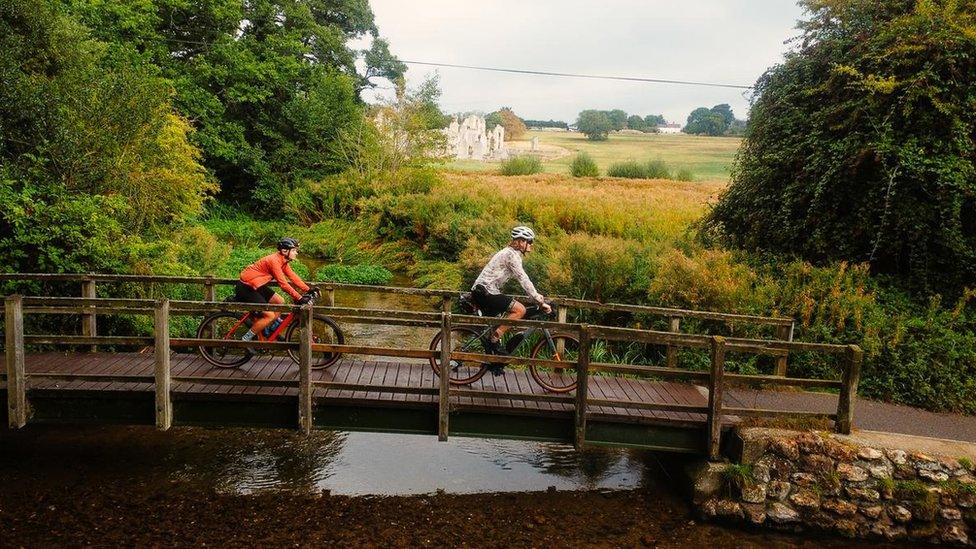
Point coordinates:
[[164, 403], [89, 324], [209, 291], [848, 389], [16, 375], [443, 400], [674, 326], [305, 371], [582, 383], [716, 385]]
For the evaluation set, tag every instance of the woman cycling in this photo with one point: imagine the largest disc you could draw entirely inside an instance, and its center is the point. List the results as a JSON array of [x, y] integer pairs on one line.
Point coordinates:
[[254, 284]]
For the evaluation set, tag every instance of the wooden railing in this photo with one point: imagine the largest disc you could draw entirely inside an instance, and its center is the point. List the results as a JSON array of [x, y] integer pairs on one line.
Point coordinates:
[[782, 327], [162, 310]]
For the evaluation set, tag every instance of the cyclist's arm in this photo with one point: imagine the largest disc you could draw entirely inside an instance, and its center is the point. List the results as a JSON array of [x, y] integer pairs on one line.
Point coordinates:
[[515, 265], [297, 280], [279, 274]]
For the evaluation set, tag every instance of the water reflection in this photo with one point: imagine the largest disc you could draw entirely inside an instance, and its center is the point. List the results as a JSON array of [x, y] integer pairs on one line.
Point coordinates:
[[246, 461]]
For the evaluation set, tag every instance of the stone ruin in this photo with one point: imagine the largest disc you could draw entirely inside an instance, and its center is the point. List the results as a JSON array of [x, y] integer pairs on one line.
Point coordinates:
[[471, 140]]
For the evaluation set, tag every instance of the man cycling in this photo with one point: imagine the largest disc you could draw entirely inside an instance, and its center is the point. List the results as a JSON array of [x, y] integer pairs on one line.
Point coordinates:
[[254, 284], [503, 266]]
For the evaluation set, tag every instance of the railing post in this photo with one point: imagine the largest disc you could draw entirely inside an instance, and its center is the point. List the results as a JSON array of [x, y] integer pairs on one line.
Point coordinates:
[[446, 304], [209, 291], [783, 333], [305, 371], [330, 297], [716, 385], [16, 374], [561, 315], [848, 389], [443, 402], [89, 326], [672, 350], [164, 403], [582, 386]]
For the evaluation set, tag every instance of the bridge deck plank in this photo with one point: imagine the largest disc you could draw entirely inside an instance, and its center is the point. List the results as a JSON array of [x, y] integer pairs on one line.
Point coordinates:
[[368, 372]]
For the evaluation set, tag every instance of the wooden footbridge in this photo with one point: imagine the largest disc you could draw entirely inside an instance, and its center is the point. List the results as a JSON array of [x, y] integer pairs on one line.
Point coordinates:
[[84, 377]]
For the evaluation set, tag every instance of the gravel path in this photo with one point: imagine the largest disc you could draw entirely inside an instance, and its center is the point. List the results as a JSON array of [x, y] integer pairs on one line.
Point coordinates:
[[868, 414]]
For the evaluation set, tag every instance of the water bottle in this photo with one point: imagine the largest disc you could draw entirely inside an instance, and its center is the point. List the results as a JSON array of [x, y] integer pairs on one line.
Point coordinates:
[[270, 328]]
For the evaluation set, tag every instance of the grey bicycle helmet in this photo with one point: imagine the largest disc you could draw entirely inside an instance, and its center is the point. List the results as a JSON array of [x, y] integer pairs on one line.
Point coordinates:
[[287, 243], [523, 232]]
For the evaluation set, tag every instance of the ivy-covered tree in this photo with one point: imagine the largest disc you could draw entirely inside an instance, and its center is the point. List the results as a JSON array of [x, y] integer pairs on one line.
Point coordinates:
[[862, 144]]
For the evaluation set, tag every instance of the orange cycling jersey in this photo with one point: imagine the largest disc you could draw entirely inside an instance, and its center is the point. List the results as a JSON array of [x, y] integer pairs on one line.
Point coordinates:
[[276, 267]]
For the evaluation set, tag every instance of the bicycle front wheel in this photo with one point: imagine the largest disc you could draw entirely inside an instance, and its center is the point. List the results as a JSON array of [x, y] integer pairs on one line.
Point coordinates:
[[223, 326], [461, 372], [324, 330], [554, 378]]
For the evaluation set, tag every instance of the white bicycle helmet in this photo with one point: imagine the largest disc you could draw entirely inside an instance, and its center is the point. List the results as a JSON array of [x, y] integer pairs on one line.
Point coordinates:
[[523, 232]]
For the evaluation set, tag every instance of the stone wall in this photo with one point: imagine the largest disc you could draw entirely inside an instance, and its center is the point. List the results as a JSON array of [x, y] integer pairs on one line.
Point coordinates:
[[819, 481]]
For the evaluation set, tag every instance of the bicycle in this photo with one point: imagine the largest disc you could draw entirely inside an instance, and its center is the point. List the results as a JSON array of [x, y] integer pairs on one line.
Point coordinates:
[[231, 327], [470, 340]]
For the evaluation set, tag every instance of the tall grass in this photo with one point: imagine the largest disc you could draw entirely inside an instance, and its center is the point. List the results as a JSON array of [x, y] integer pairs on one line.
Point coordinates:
[[521, 165]]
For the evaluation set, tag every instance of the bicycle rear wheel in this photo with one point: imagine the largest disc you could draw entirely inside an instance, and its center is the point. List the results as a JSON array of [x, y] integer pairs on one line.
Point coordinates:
[[553, 378], [461, 372], [324, 330], [223, 326]]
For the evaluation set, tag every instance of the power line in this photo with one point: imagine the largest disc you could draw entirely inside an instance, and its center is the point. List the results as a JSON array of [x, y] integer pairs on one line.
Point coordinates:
[[592, 76]]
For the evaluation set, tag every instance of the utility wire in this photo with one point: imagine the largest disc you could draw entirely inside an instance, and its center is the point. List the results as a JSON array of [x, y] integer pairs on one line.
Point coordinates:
[[572, 75]]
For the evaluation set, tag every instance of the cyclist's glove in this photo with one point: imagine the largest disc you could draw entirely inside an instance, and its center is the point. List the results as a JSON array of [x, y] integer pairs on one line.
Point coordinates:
[[316, 292], [307, 298]]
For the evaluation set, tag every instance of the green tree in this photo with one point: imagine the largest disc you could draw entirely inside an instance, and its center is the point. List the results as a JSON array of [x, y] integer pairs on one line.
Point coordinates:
[[653, 120], [596, 125], [862, 144], [618, 119], [635, 122], [704, 121], [92, 154], [268, 83]]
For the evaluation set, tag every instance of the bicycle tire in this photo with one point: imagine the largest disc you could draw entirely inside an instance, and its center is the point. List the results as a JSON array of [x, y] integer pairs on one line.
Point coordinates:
[[220, 324], [324, 330], [556, 380], [463, 373]]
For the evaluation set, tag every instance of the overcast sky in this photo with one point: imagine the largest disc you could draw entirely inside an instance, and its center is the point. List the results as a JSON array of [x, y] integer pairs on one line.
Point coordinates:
[[725, 41]]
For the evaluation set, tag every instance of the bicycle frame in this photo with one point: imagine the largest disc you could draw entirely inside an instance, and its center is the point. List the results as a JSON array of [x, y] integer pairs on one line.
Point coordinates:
[[260, 336]]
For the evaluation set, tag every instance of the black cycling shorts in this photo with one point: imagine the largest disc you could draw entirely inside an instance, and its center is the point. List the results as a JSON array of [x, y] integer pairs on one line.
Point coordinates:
[[491, 304], [246, 294]]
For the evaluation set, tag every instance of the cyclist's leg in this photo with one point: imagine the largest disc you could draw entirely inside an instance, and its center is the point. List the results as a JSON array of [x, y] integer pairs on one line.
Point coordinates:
[[515, 311], [267, 316]]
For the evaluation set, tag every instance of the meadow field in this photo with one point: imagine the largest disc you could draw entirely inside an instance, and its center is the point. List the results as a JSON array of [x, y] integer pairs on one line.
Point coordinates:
[[708, 158]]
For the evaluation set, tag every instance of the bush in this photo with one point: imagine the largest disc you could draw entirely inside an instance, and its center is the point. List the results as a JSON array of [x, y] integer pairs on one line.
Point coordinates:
[[652, 169], [630, 169], [684, 174], [354, 274], [584, 166], [656, 169], [521, 165]]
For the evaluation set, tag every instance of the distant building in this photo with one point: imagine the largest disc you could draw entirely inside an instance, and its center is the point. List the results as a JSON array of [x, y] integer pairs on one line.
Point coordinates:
[[470, 139], [669, 128]]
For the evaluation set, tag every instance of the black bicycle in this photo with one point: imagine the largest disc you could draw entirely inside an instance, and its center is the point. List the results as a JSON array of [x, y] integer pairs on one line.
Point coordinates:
[[544, 344]]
